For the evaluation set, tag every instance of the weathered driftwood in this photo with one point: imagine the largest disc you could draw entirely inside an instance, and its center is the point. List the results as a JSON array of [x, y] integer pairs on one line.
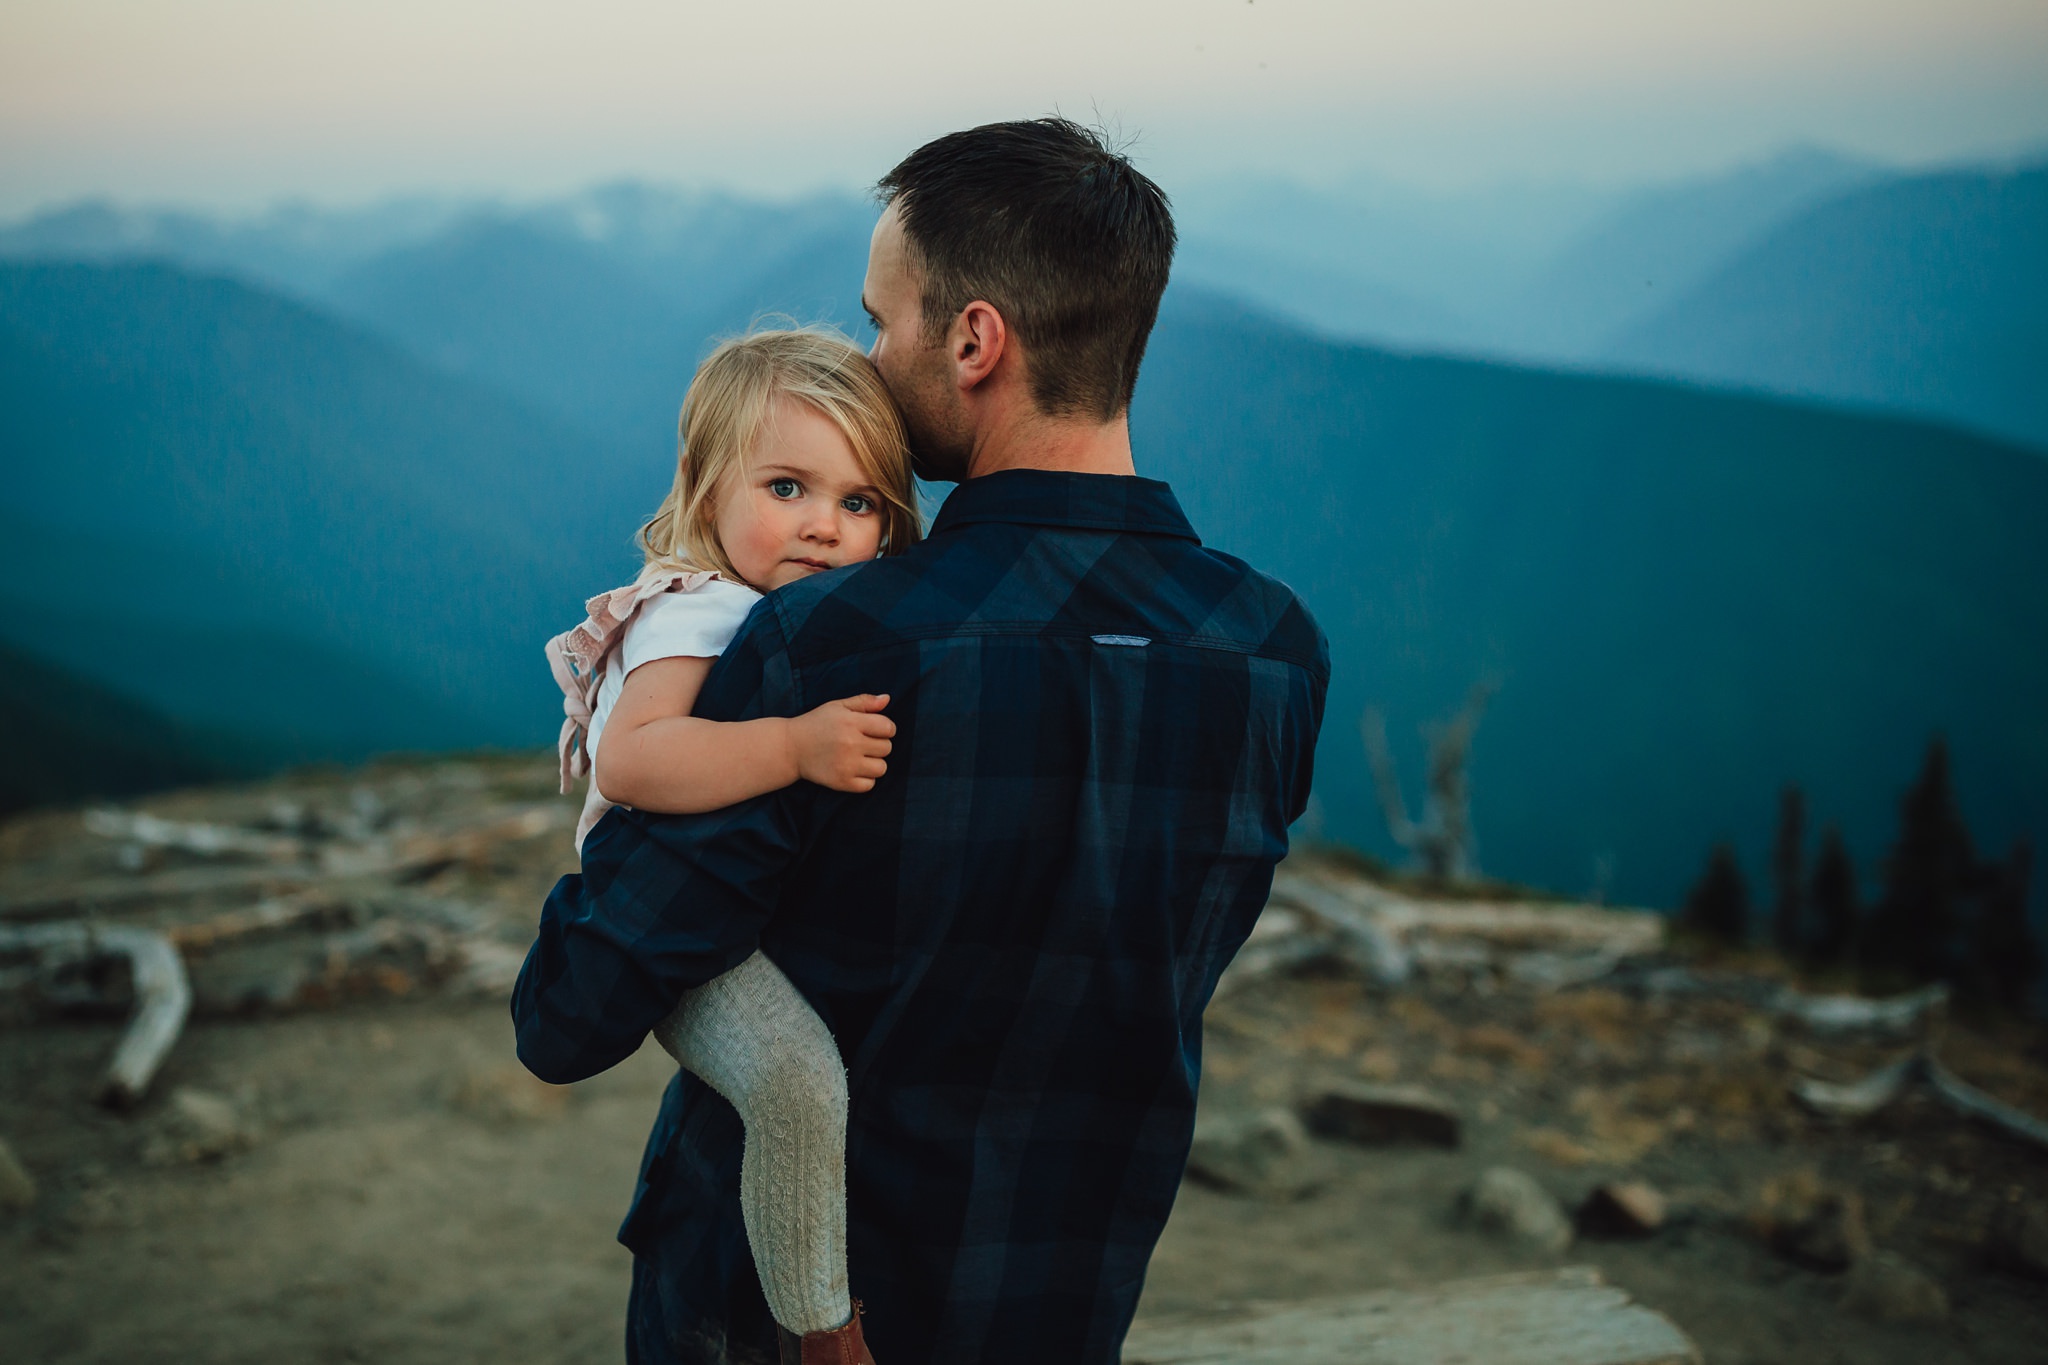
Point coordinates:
[[1360, 938], [1566, 1317], [1899, 1015], [204, 840], [1277, 944], [390, 856], [1860, 1099], [1965, 1098], [1545, 971], [1855, 1014], [350, 938], [1389, 936], [74, 895], [163, 996], [266, 916], [1526, 925]]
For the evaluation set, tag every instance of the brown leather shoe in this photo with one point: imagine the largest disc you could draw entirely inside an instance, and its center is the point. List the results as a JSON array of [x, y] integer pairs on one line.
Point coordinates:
[[840, 1346]]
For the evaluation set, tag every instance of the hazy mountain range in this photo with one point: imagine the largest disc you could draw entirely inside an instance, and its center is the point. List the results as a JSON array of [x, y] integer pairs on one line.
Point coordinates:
[[1929, 294], [254, 517], [336, 503], [1811, 274]]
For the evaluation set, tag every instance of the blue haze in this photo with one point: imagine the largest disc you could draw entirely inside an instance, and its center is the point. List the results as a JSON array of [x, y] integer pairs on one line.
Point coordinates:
[[377, 466]]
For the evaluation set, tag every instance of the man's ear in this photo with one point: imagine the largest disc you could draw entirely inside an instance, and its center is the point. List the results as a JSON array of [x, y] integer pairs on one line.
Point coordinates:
[[978, 340]]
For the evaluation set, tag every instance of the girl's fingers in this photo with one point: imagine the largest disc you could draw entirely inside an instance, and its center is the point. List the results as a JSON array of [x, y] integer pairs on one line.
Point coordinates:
[[866, 701]]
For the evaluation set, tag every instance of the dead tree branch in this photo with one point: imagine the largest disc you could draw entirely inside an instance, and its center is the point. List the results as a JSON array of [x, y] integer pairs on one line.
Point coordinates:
[[163, 995], [1440, 845]]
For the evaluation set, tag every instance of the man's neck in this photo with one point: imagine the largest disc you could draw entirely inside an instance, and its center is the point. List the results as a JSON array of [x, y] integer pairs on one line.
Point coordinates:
[[1063, 444]]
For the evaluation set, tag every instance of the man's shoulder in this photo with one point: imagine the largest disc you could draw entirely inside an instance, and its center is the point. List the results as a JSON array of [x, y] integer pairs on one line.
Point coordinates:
[[938, 586], [1261, 608]]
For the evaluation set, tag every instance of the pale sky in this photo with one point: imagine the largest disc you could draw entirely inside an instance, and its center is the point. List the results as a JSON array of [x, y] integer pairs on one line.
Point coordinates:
[[236, 103]]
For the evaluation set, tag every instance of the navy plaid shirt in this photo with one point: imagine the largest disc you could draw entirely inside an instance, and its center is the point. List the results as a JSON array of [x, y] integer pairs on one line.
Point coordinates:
[[1104, 732]]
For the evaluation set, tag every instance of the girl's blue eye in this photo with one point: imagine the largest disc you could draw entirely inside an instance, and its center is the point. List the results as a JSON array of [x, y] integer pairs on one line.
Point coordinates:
[[858, 504], [785, 488]]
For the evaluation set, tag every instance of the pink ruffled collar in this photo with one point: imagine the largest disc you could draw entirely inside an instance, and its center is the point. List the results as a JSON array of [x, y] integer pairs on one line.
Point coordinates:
[[577, 656]]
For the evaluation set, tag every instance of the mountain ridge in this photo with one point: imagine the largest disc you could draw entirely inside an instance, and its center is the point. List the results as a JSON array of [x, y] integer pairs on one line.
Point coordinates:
[[1689, 597], [1927, 294], [300, 459], [1666, 581]]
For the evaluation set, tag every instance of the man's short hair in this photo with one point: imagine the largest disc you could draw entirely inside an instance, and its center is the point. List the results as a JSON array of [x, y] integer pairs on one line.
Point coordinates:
[[1042, 219]]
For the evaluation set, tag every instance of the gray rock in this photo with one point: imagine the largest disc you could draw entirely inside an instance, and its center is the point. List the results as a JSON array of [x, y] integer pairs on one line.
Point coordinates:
[[2019, 1239], [1510, 1203], [1362, 1112], [1623, 1209], [1888, 1288], [17, 1186], [198, 1125], [1265, 1154]]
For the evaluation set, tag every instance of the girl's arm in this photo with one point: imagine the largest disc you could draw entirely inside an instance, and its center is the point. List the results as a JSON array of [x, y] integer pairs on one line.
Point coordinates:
[[656, 756]]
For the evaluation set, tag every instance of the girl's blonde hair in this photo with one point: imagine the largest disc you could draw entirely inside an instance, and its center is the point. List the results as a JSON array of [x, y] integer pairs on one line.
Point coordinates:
[[728, 410]]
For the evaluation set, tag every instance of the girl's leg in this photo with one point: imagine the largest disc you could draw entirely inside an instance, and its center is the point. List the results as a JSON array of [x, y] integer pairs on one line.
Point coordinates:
[[754, 1039]]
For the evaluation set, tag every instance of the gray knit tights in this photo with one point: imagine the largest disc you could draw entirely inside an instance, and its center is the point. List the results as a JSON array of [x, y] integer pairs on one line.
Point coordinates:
[[754, 1039]]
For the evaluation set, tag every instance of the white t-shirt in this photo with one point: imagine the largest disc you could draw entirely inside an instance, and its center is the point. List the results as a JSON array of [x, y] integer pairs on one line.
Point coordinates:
[[697, 624]]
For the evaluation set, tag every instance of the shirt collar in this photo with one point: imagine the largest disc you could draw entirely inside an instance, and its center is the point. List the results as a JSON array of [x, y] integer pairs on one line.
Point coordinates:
[[1045, 497]]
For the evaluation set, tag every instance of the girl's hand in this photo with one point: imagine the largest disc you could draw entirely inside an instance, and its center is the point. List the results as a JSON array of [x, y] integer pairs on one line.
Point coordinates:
[[841, 744]]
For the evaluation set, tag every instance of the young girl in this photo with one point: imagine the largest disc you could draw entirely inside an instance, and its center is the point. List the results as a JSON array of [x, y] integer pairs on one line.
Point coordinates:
[[793, 461]]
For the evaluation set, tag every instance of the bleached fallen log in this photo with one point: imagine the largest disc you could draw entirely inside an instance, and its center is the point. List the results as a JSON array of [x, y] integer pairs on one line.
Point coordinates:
[[1279, 942], [1547, 971], [71, 896], [1853, 1013], [163, 998], [1858, 1099], [1888, 1084], [424, 848], [1965, 1098], [266, 916], [1361, 937], [388, 856], [1531, 925], [163, 995], [1547, 946], [186, 836], [1563, 1317]]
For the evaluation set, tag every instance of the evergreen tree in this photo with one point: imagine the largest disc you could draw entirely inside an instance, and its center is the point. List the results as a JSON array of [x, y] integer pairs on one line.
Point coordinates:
[[1913, 928], [1788, 856], [2008, 958], [1718, 907], [1835, 901]]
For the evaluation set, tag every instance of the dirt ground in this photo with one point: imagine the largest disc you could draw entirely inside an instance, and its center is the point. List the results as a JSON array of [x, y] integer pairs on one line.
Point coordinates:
[[398, 1190]]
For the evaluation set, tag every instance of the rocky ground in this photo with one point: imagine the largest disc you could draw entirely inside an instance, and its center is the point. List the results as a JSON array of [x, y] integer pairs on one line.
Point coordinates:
[[340, 1159]]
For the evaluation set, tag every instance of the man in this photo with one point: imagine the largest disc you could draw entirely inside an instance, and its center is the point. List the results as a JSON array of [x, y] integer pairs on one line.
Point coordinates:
[[1104, 731]]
